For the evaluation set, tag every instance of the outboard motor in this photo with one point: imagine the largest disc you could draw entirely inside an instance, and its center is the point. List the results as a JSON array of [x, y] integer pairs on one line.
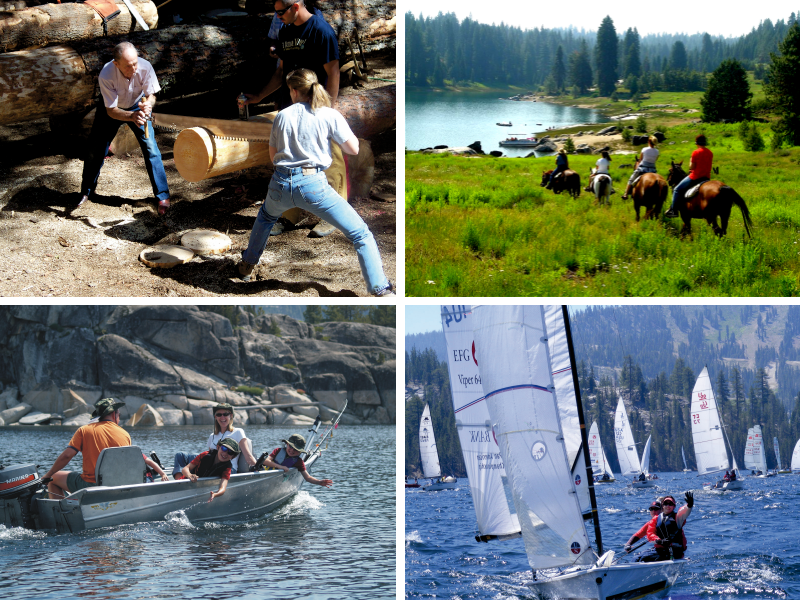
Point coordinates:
[[18, 484]]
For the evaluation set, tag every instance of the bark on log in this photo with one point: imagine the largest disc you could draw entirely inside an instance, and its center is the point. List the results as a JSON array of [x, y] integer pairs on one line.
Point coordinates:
[[199, 156], [52, 24]]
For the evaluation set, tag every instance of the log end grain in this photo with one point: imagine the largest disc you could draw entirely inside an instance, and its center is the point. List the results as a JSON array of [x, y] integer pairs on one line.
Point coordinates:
[[165, 257], [193, 153], [206, 241]]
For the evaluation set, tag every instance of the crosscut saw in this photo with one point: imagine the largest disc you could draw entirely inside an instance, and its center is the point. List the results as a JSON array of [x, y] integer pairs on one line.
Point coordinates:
[[257, 129]]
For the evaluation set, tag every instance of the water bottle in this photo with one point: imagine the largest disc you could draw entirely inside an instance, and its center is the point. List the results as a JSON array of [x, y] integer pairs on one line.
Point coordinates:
[[243, 108]]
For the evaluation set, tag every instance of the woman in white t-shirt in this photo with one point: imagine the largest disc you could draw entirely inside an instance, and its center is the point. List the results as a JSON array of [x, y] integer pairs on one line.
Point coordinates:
[[603, 165], [299, 147], [647, 163], [223, 428]]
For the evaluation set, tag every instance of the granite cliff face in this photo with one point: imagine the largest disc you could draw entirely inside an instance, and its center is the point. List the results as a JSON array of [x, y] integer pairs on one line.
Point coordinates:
[[171, 364]]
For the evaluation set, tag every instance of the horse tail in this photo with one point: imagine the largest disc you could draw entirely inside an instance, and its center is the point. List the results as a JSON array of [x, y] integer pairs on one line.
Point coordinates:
[[739, 201]]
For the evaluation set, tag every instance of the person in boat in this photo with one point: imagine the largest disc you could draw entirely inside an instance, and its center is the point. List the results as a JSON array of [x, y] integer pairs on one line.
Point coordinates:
[[646, 163], [214, 463], [699, 171], [733, 475], [603, 165], [642, 477], [666, 530], [300, 150], [727, 476], [655, 510], [288, 457], [153, 468], [90, 440], [562, 164], [223, 428]]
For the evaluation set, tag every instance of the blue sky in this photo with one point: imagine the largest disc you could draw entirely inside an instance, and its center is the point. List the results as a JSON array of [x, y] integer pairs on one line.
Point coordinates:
[[712, 16]]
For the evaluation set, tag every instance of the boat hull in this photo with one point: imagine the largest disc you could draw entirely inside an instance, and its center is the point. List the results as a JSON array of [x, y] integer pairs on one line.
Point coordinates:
[[644, 484], [248, 496], [441, 485], [617, 582], [519, 145]]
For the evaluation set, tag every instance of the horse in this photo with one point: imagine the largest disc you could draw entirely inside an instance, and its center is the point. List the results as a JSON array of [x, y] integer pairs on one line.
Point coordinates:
[[650, 191], [568, 181], [713, 199], [601, 186]]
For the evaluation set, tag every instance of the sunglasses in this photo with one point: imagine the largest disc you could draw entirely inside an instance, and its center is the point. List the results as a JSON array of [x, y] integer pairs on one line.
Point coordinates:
[[669, 504], [654, 508], [280, 13], [227, 450], [222, 415]]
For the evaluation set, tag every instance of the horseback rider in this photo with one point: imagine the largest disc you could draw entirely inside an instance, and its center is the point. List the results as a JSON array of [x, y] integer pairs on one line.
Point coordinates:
[[646, 164], [603, 164], [699, 170], [666, 530], [562, 164]]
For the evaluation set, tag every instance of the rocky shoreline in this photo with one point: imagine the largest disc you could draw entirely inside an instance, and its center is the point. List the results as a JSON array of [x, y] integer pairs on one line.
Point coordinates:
[[171, 365]]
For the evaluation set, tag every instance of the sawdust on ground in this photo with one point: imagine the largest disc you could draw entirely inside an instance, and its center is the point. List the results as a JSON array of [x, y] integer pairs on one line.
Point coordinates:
[[52, 249]]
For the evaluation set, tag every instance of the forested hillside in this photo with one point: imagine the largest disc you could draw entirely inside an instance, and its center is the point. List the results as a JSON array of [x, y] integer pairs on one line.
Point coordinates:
[[651, 356], [442, 48]]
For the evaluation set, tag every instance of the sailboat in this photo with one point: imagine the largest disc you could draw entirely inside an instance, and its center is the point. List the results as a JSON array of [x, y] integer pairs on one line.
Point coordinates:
[[779, 469], [627, 454], [686, 469], [429, 456], [796, 458], [600, 467], [517, 375], [708, 435], [491, 496], [754, 456]]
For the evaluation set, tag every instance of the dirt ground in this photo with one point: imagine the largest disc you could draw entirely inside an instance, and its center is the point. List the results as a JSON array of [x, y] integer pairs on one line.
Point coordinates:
[[51, 248]]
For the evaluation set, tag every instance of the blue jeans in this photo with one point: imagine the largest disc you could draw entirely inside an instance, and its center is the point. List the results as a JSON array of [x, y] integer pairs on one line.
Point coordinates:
[[181, 460], [679, 190], [104, 129], [290, 188]]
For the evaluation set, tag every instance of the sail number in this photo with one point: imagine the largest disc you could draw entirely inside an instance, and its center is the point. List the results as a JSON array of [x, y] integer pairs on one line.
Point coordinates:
[[696, 419], [458, 313]]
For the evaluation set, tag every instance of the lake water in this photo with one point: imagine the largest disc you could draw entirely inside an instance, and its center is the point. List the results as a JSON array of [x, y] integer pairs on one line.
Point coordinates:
[[741, 544], [324, 543], [461, 118]]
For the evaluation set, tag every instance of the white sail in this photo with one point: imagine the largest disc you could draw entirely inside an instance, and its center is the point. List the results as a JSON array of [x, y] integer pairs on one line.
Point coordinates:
[[796, 458], [749, 460], [567, 403], [627, 454], [646, 456], [512, 353], [487, 477], [683, 454], [597, 454], [777, 452], [759, 455], [428, 454], [707, 435]]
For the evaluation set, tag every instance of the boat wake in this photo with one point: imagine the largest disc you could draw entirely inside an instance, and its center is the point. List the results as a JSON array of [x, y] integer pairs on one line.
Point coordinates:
[[746, 576], [11, 534], [178, 519], [413, 537]]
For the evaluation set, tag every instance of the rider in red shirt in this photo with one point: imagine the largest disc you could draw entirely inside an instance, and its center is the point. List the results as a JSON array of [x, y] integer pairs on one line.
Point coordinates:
[[699, 168]]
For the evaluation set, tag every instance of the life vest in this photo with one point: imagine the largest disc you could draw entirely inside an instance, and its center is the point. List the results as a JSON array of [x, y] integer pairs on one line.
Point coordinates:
[[207, 468], [667, 528], [283, 459]]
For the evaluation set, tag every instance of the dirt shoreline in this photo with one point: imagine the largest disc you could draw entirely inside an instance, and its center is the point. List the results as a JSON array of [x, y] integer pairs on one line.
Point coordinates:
[[53, 249]]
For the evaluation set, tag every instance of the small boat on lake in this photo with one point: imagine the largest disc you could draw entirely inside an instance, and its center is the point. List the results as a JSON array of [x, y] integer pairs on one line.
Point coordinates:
[[627, 454], [520, 142], [429, 456], [122, 497], [779, 470], [685, 468], [600, 467], [796, 459], [754, 456], [507, 124]]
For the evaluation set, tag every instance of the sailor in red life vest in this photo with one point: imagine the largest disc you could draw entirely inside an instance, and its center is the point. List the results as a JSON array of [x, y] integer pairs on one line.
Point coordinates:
[[288, 457], [666, 530], [214, 463], [655, 510]]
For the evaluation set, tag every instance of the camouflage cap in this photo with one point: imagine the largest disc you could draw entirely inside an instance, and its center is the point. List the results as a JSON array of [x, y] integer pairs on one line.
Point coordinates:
[[223, 406], [230, 443], [106, 406], [296, 441]]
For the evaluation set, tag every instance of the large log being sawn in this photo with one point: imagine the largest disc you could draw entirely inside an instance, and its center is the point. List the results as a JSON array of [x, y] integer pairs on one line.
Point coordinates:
[[52, 24]]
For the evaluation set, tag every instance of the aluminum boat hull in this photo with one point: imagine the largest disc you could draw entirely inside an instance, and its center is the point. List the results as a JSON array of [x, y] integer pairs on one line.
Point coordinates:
[[248, 496], [617, 582]]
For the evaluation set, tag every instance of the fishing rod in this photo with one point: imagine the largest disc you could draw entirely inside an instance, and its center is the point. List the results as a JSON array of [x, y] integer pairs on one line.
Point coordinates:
[[328, 433]]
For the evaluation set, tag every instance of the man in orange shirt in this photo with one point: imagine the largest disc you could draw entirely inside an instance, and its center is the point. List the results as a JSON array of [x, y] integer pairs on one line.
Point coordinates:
[[90, 440], [699, 169]]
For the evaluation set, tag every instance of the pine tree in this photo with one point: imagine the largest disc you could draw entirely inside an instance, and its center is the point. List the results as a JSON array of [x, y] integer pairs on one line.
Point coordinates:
[[559, 70], [580, 69], [313, 314], [728, 95], [782, 89], [630, 52], [605, 53], [677, 58]]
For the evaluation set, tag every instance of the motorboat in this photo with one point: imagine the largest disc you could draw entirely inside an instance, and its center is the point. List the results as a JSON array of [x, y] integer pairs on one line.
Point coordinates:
[[506, 124], [520, 142], [518, 372], [123, 497]]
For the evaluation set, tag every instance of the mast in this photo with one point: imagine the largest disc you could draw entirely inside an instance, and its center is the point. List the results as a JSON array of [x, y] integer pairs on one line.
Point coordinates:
[[584, 437]]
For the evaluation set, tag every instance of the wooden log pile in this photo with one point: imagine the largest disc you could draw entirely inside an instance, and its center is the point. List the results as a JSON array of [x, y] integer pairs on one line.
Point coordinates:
[[50, 24]]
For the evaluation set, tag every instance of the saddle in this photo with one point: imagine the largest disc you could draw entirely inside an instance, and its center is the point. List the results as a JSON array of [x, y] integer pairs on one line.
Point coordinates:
[[690, 193]]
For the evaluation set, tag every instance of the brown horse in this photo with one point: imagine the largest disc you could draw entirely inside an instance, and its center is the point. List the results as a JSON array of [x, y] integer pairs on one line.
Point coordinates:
[[568, 181], [713, 199], [650, 191]]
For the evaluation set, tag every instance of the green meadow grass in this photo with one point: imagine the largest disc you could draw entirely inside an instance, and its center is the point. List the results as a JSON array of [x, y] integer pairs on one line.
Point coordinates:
[[484, 227]]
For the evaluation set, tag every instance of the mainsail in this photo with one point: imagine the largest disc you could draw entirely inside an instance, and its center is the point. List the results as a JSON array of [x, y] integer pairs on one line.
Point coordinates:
[[796, 458], [759, 456], [777, 452], [512, 352], [597, 454], [646, 456], [683, 454], [707, 434], [626, 448], [428, 454], [494, 507], [749, 456]]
